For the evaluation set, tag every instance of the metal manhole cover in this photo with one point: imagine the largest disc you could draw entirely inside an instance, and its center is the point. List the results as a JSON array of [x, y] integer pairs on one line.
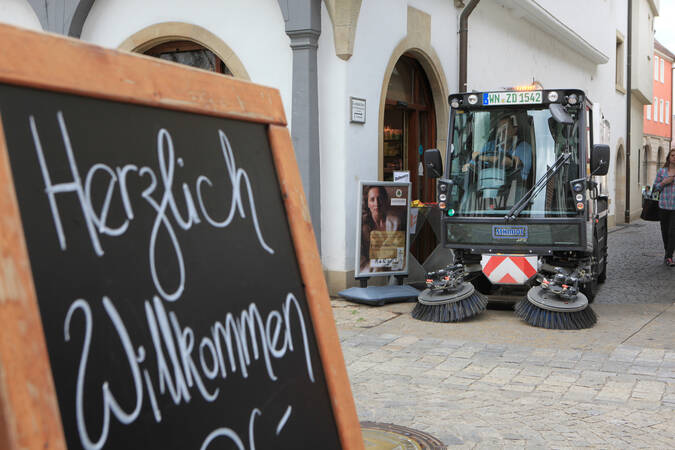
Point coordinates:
[[387, 436]]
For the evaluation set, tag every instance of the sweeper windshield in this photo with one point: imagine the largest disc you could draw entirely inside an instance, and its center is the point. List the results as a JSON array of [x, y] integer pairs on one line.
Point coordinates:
[[499, 153]]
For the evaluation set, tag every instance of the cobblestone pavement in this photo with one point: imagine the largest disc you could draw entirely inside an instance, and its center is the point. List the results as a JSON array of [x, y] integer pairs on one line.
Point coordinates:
[[495, 382], [635, 272]]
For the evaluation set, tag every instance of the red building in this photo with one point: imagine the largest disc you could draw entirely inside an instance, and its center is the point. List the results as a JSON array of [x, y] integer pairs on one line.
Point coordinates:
[[657, 125]]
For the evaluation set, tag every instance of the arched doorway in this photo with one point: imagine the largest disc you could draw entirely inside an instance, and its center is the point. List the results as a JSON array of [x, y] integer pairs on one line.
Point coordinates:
[[409, 128], [620, 187]]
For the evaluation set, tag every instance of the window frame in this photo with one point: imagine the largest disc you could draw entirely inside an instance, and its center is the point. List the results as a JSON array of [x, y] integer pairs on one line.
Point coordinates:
[[667, 112]]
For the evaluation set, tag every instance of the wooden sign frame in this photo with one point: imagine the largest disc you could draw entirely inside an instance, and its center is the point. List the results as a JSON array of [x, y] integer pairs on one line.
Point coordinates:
[[29, 412]]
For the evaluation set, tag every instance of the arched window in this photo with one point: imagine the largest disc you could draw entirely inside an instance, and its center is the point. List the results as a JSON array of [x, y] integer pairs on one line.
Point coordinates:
[[191, 54]]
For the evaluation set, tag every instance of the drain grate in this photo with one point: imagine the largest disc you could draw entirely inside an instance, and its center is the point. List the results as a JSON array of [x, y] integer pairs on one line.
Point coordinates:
[[387, 436]]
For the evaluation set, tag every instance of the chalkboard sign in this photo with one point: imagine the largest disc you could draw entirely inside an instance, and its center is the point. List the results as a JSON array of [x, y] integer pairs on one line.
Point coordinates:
[[156, 262]]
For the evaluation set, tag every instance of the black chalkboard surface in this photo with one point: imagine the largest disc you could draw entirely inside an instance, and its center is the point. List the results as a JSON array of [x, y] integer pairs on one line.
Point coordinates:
[[172, 304]]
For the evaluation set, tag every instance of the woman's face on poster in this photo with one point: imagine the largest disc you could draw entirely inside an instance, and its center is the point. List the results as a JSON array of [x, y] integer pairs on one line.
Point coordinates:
[[376, 203]]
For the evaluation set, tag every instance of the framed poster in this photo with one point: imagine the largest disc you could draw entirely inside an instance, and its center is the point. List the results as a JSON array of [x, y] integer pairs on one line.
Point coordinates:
[[382, 229]]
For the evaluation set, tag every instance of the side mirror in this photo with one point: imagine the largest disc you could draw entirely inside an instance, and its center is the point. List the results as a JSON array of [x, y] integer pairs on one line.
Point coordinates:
[[433, 162], [600, 159]]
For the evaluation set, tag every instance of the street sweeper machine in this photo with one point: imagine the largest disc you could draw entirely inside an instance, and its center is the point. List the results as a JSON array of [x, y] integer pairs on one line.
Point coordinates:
[[522, 208]]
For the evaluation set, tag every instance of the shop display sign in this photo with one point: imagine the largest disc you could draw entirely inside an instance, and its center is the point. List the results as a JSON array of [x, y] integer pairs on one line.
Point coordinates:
[[160, 286], [358, 110], [383, 229]]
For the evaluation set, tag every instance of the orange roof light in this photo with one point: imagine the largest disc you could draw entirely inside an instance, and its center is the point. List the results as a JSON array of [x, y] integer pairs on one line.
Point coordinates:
[[535, 86]]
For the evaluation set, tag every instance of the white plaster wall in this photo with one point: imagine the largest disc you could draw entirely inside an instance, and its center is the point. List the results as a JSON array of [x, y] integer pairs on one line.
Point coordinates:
[[584, 17], [254, 30], [642, 72], [20, 14], [505, 50], [349, 152]]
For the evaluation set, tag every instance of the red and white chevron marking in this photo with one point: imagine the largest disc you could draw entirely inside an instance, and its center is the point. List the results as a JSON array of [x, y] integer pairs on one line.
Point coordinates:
[[509, 269]]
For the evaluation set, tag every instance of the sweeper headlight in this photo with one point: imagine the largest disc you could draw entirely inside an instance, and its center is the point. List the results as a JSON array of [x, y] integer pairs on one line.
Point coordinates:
[[473, 99], [572, 99], [553, 96], [454, 103]]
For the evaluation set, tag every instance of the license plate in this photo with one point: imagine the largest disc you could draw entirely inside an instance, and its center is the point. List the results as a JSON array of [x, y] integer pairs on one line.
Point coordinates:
[[509, 231], [511, 98]]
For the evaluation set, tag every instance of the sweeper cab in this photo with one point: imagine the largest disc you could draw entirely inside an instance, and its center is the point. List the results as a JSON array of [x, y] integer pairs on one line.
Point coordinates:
[[522, 209]]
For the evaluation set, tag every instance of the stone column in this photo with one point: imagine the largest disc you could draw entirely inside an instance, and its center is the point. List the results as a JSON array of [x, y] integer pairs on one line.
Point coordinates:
[[303, 26]]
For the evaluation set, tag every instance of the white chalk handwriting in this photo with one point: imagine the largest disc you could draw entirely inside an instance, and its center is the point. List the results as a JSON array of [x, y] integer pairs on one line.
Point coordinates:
[[160, 182]]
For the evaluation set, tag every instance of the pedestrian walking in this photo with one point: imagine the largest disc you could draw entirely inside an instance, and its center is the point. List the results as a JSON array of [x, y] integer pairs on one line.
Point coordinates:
[[664, 184]]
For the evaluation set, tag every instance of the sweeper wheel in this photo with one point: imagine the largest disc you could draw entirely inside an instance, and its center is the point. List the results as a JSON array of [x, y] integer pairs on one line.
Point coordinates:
[[544, 309], [449, 305]]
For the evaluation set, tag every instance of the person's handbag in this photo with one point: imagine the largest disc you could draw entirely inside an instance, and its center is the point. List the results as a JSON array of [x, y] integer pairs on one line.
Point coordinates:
[[650, 208]]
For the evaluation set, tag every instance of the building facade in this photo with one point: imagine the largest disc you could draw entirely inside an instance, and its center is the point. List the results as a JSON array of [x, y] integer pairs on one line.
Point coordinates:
[[657, 117], [398, 59]]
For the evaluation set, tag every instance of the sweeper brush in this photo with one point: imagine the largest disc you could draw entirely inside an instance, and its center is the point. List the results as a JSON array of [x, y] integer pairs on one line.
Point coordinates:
[[450, 306], [448, 298], [547, 309]]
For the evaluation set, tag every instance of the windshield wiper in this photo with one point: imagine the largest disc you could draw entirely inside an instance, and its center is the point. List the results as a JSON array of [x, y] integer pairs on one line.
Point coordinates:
[[539, 185]]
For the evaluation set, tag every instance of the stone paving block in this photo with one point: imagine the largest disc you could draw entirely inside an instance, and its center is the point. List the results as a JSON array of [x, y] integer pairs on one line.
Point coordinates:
[[479, 369], [559, 380], [666, 373], [556, 389], [614, 366], [505, 372], [624, 354], [519, 387], [580, 393], [401, 342], [463, 353], [588, 365], [453, 364], [457, 381], [483, 386], [593, 356], [643, 370], [563, 364], [536, 371], [647, 396], [613, 395], [526, 379], [650, 386], [651, 354], [516, 357], [569, 355], [359, 366]]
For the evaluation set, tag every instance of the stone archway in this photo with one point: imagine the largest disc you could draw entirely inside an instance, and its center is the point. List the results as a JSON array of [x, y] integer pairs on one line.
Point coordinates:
[[620, 186], [417, 44]]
